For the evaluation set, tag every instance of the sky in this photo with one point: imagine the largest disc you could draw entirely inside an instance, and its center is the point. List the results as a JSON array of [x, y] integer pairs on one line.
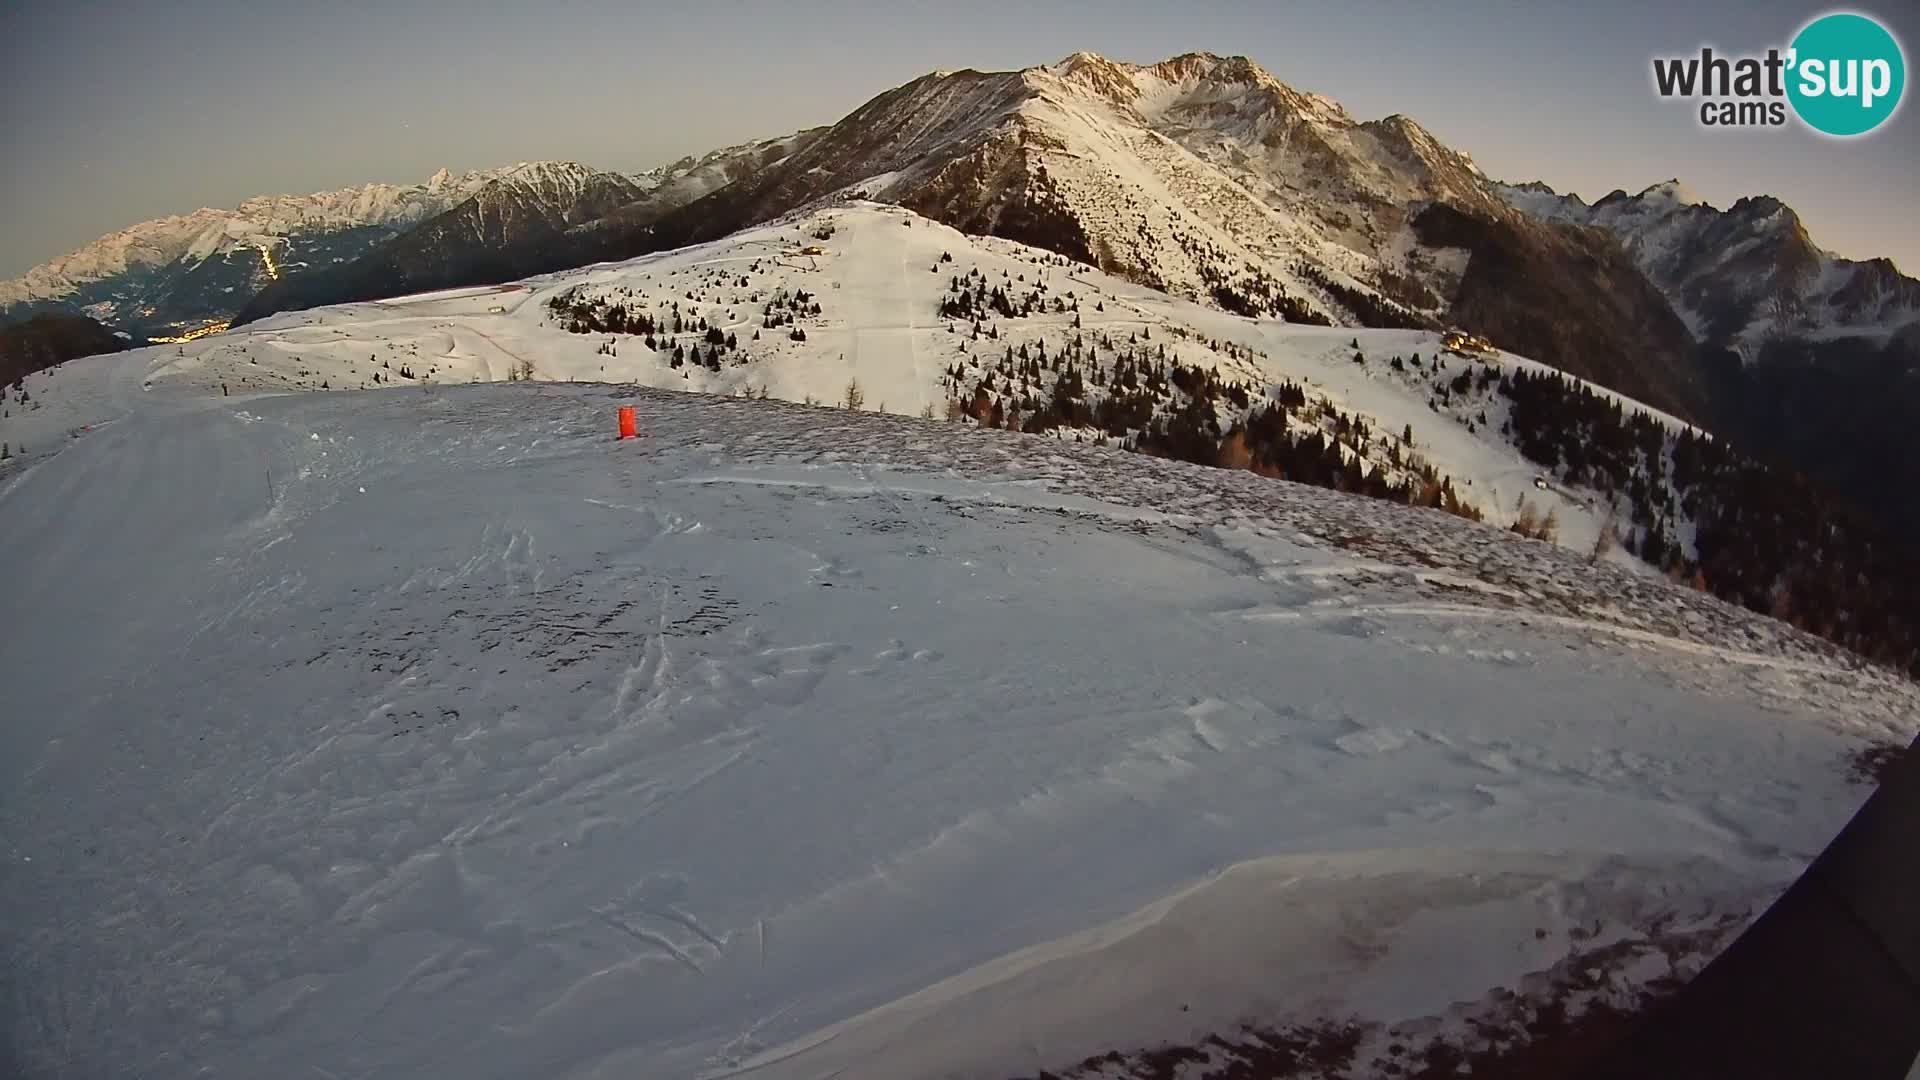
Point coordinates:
[[115, 112]]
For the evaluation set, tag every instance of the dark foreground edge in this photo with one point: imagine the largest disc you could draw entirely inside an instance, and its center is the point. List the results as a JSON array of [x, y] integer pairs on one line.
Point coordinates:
[[1825, 983]]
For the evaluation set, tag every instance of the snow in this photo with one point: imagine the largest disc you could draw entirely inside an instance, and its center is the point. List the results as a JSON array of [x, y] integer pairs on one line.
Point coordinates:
[[264, 219], [450, 294], [1186, 172], [1706, 258], [207, 232], [1389, 933], [880, 285], [1671, 195], [432, 731], [1489, 472], [1161, 206], [1543, 202]]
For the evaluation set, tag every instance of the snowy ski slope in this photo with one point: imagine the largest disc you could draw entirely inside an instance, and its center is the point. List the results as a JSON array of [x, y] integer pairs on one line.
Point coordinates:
[[879, 282], [431, 732]]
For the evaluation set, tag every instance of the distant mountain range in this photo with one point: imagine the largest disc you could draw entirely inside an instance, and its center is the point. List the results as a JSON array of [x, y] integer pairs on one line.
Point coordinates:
[[1743, 277], [1202, 176], [540, 218], [173, 274], [178, 275]]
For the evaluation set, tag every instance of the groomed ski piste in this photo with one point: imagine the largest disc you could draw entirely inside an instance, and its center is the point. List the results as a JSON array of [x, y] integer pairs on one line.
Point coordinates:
[[431, 731]]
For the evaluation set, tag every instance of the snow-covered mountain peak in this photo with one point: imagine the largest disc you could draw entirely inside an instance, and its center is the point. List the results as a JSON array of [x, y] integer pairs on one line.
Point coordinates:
[[1195, 83], [1765, 211], [1672, 193], [259, 220], [559, 182], [543, 171], [1082, 57], [1743, 276], [1210, 66], [1538, 199], [1200, 174], [192, 270], [1232, 112], [1086, 74], [1653, 202], [691, 177], [1188, 68]]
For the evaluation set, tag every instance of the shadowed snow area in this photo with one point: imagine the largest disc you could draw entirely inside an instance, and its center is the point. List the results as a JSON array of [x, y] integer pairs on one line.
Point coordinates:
[[788, 740]]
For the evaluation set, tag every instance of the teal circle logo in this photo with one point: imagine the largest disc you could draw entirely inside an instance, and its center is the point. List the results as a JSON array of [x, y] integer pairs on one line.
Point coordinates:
[[1846, 74]]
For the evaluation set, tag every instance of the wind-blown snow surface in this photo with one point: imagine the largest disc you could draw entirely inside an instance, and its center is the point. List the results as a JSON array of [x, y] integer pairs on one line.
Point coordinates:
[[435, 733]]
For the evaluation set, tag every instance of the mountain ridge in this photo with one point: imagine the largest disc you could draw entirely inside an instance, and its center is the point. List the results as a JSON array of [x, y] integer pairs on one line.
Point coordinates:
[[1205, 177], [180, 272], [1810, 359], [1743, 274], [195, 233], [520, 225], [1209, 178]]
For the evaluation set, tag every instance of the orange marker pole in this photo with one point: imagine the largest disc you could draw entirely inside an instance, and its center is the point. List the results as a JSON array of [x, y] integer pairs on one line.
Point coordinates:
[[629, 425]]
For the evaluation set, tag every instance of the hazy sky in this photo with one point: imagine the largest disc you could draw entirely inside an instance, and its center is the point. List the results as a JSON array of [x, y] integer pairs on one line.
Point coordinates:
[[112, 113]]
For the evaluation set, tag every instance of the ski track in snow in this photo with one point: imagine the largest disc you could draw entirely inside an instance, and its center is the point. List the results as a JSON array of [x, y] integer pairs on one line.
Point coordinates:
[[483, 745]]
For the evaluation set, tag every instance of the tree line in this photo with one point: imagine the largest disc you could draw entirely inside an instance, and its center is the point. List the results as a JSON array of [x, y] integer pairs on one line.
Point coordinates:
[[1763, 536]]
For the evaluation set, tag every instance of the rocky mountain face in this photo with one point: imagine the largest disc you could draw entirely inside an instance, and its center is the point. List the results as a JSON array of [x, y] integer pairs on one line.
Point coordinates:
[[1191, 174], [1561, 292], [1206, 177], [1810, 359]]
